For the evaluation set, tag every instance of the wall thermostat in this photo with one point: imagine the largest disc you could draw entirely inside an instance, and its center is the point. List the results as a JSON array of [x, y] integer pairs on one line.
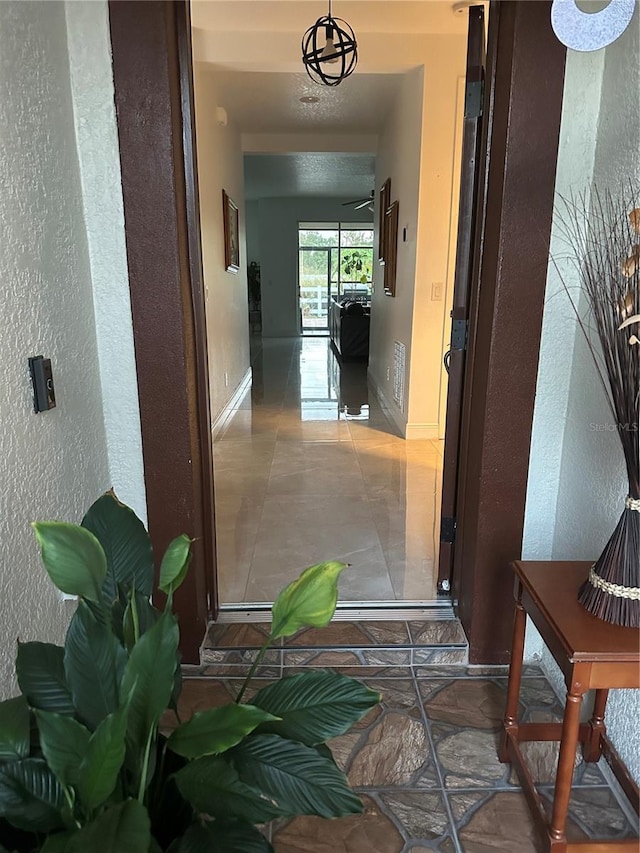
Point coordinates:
[[44, 397]]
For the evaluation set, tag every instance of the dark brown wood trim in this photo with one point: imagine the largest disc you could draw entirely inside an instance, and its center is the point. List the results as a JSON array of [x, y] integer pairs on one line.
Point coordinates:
[[525, 112], [166, 290]]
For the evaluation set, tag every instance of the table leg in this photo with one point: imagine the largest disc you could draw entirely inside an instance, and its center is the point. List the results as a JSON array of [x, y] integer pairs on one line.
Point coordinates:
[[592, 749], [515, 676], [566, 762]]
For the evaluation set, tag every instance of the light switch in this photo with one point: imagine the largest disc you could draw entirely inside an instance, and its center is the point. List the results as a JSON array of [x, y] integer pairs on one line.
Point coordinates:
[[436, 291]]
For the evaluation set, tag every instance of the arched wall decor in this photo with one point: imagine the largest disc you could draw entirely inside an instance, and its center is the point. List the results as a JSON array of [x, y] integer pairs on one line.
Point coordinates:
[[587, 31]]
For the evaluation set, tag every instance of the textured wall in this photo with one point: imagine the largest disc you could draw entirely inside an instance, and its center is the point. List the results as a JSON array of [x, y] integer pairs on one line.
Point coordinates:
[[419, 150], [52, 465], [97, 144], [577, 479], [220, 167]]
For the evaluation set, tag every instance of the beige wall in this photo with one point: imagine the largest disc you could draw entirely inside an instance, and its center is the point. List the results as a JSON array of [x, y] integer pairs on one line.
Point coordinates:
[[420, 150], [220, 167]]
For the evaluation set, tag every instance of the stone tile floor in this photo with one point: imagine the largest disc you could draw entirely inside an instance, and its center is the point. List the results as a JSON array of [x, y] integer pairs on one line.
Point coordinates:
[[231, 648], [425, 766]]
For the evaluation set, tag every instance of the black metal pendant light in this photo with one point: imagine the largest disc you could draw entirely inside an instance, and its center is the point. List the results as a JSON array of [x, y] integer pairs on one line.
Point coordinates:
[[329, 50]]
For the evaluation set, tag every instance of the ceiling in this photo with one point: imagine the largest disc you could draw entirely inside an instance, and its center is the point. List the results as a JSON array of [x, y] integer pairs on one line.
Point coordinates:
[[253, 49], [325, 175], [270, 102]]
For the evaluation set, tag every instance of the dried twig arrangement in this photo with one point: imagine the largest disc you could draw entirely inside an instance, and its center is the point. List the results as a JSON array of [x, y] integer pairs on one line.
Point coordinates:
[[603, 232]]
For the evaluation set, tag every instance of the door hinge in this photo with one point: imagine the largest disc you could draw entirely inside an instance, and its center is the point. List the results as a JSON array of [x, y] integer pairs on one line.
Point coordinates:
[[448, 530], [473, 99], [459, 334]]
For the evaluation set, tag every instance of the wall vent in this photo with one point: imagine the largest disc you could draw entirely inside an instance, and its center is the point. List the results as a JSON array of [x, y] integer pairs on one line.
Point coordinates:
[[399, 352]]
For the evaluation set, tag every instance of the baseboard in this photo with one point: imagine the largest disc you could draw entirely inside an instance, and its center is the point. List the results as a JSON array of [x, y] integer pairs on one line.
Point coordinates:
[[390, 409], [422, 431], [232, 406], [409, 431]]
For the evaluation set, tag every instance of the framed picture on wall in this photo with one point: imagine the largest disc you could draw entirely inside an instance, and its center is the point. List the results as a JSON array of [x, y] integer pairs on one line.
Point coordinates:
[[385, 202], [231, 233]]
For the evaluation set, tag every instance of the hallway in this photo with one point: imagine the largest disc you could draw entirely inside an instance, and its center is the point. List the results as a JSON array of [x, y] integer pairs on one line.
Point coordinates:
[[308, 468]]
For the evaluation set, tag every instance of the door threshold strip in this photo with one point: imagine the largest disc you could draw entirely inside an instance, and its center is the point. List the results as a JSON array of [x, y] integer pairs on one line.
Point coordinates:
[[359, 611]]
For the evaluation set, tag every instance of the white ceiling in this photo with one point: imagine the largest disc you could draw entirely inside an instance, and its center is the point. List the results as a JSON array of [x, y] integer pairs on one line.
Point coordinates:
[[270, 102], [326, 175], [253, 48]]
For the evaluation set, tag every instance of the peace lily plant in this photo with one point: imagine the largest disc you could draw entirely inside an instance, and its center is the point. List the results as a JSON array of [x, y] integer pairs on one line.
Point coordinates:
[[84, 765]]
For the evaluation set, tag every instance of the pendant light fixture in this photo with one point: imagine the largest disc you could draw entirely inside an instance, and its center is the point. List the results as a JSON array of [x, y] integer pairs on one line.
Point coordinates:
[[329, 50]]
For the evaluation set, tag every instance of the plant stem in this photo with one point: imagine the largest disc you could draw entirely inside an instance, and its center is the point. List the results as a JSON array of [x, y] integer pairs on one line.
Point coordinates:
[[134, 616], [145, 767], [254, 666]]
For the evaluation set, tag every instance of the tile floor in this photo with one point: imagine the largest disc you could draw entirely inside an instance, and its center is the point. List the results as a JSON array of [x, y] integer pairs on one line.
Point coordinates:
[[308, 468], [424, 763]]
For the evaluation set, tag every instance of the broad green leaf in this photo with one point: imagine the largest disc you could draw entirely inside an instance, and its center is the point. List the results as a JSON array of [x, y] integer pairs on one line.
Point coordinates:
[[297, 777], [232, 837], [308, 602], [213, 787], [197, 839], [94, 661], [64, 743], [218, 837], [175, 563], [126, 544], [104, 757], [147, 617], [123, 828], [73, 557], [315, 706], [149, 677], [216, 730], [61, 842], [30, 795], [14, 729], [40, 671]]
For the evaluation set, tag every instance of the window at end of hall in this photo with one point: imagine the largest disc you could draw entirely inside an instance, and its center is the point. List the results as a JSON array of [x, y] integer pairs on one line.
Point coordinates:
[[335, 259]]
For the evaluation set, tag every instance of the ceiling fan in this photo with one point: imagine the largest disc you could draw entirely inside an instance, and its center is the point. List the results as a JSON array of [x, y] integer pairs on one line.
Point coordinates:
[[359, 203]]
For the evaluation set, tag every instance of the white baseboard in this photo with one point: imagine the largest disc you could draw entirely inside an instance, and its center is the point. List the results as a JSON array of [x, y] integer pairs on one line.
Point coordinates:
[[422, 431], [230, 409], [410, 431]]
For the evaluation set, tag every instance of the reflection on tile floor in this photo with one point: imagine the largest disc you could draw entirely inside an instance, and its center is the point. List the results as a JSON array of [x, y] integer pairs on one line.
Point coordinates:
[[425, 766], [308, 468]]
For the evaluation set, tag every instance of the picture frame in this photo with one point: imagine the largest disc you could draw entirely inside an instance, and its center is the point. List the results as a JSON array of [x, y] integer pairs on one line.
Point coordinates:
[[391, 242], [385, 203], [231, 233]]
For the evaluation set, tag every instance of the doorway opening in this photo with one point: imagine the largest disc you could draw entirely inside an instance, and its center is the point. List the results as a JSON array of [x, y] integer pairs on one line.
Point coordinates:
[[335, 262], [151, 51]]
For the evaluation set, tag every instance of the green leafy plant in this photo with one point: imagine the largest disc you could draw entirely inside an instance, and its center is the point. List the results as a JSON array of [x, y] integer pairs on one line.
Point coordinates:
[[357, 265], [84, 765]]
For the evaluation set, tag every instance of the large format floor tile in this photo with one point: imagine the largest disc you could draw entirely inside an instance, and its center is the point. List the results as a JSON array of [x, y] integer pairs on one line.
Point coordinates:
[[308, 468]]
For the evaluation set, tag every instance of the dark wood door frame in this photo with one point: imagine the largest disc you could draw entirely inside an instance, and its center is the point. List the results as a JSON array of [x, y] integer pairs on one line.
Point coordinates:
[[150, 42], [153, 84], [524, 102]]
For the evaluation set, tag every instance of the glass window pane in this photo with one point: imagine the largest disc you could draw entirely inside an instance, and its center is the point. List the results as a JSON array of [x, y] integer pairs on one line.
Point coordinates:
[[318, 237], [356, 237]]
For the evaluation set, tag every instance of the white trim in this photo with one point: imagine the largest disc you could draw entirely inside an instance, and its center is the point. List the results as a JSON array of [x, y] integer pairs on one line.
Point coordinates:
[[430, 431], [232, 406]]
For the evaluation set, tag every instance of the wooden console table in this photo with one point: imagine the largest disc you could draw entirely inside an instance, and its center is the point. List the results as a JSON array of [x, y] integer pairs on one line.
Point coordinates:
[[592, 655]]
